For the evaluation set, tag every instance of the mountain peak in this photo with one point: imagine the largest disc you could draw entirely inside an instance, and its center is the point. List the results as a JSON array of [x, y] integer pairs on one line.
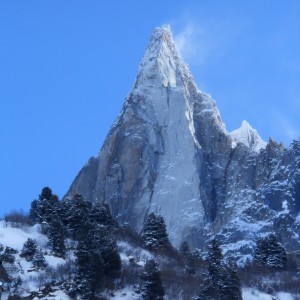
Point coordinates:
[[161, 60], [248, 136], [164, 32]]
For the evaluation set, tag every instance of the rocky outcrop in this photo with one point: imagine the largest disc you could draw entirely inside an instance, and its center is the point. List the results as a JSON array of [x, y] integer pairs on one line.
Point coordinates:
[[169, 152]]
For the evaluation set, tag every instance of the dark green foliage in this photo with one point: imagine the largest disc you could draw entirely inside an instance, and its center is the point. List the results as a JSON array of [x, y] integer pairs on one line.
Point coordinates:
[[231, 286], [38, 260], [47, 210], [46, 194], [208, 290], [190, 264], [6, 255], [188, 258], [184, 249], [96, 256], [221, 281], [45, 203], [89, 269], [76, 213], [270, 253], [105, 244], [34, 212], [100, 214], [154, 233], [29, 249], [56, 236], [215, 263], [152, 288], [43, 209]]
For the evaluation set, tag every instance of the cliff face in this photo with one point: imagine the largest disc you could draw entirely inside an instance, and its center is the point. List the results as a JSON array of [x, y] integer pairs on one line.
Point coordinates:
[[169, 152]]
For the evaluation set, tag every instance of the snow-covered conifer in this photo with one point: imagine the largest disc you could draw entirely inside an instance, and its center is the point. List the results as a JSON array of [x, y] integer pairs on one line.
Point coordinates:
[[152, 288], [29, 249], [154, 233]]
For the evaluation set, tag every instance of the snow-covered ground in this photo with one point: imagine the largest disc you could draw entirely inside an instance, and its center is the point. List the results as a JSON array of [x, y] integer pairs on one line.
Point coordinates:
[[125, 294], [129, 254], [252, 294], [15, 237]]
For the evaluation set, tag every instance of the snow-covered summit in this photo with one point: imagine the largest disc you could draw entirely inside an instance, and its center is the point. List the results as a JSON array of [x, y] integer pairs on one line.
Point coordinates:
[[248, 136], [161, 55]]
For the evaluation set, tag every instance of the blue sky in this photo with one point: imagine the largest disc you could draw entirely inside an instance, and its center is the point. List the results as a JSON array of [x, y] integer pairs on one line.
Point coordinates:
[[67, 66]]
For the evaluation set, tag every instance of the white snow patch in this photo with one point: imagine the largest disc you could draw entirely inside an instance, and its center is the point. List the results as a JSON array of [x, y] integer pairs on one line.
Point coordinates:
[[253, 294], [249, 227], [15, 237], [285, 206], [126, 294], [284, 296], [129, 253], [54, 261], [57, 295]]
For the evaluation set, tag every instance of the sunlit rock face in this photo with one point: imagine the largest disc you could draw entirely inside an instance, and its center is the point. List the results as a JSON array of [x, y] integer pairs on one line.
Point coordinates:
[[168, 152]]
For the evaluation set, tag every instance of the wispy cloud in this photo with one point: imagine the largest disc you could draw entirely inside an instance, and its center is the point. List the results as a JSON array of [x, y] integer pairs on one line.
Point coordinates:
[[192, 43], [199, 42]]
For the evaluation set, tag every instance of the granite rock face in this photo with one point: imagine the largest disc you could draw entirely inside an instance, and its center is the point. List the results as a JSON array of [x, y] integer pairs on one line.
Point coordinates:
[[168, 152]]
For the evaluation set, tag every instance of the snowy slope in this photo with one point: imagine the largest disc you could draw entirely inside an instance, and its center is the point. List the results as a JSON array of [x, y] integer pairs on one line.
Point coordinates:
[[14, 238], [253, 294]]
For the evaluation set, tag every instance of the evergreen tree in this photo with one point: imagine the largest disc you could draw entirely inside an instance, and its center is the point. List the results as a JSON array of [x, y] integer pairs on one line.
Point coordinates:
[[101, 214], [207, 290], [152, 288], [76, 214], [188, 258], [221, 281], [89, 268], [270, 253], [184, 249], [6, 255], [34, 215], [46, 200], [96, 255], [29, 249], [56, 236], [154, 233], [83, 283], [190, 264], [105, 244], [231, 286], [44, 208], [38, 261], [215, 263], [213, 282], [261, 252]]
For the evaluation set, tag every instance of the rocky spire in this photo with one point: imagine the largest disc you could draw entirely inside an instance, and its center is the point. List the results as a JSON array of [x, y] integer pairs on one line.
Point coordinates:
[[169, 153]]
